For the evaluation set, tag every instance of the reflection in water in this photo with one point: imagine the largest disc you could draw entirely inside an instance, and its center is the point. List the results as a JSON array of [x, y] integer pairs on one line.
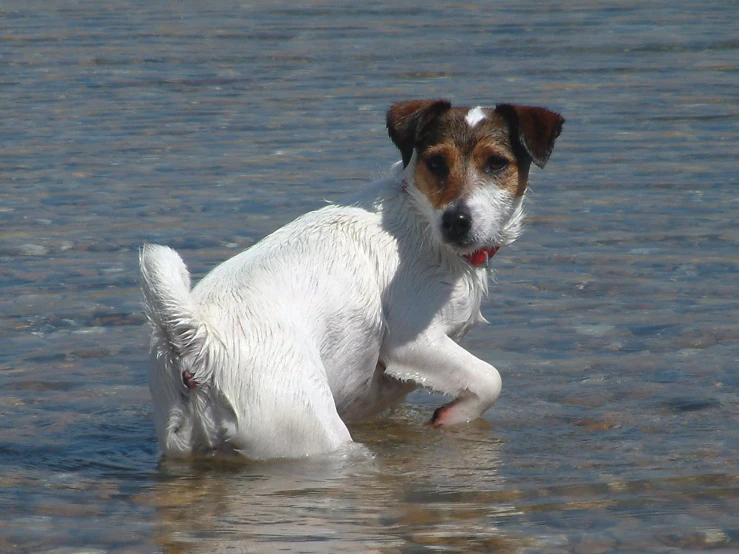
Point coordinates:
[[414, 485], [614, 319]]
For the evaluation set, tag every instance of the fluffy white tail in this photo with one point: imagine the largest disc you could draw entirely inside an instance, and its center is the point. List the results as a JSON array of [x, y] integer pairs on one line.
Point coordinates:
[[180, 373], [168, 305]]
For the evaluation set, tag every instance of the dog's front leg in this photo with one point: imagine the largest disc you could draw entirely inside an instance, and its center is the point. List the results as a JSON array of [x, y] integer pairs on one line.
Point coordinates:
[[440, 364]]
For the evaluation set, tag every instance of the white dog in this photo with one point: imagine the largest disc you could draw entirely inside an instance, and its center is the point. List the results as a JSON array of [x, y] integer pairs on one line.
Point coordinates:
[[341, 313]]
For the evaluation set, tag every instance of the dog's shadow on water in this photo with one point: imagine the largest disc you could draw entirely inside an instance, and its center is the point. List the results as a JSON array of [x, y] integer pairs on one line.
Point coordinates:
[[398, 467]]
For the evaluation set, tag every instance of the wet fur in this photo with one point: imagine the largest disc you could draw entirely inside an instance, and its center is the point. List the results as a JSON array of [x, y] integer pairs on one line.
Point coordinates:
[[341, 313]]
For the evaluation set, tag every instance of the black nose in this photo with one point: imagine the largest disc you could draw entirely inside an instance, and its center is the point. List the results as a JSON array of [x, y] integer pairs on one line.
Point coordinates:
[[456, 223]]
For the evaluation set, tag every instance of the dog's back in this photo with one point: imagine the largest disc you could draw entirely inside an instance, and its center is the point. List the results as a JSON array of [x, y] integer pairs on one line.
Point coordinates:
[[222, 380]]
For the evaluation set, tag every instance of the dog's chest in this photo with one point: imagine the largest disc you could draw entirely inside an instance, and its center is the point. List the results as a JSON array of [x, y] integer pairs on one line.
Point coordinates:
[[462, 311]]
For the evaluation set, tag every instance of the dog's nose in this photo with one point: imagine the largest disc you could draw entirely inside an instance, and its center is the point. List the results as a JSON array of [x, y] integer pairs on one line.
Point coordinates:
[[456, 223]]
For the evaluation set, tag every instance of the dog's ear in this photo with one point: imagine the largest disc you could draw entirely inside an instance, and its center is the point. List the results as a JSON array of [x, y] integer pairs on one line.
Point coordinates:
[[405, 120], [533, 129]]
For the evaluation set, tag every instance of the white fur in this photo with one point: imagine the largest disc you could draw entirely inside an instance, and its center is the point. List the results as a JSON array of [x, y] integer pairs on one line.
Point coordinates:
[[334, 317], [497, 215], [474, 116]]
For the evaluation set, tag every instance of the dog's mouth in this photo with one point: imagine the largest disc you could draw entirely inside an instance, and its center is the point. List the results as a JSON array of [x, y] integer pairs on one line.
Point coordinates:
[[481, 256], [457, 233]]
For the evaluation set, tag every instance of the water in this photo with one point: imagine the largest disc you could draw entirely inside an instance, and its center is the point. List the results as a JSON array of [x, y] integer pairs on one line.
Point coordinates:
[[614, 320]]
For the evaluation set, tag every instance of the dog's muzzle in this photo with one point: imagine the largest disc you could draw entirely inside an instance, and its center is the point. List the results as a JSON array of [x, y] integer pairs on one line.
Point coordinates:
[[456, 222]]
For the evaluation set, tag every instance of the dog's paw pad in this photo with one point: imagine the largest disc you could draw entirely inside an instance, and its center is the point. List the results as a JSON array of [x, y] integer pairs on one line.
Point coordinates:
[[437, 420]]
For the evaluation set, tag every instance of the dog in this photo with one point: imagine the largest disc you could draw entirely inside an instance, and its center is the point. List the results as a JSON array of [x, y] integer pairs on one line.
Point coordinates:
[[338, 315]]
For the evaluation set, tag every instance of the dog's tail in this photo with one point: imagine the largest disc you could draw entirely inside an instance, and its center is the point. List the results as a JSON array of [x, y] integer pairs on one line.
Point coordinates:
[[165, 283], [181, 346]]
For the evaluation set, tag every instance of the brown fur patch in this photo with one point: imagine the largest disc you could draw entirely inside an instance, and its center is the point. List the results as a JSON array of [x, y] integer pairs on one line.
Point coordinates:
[[441, 190], [471, 154], [486, 156], [466, 152]]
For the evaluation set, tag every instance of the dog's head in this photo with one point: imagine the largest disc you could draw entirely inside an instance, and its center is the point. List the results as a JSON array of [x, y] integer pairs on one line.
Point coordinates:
[[470, 167]]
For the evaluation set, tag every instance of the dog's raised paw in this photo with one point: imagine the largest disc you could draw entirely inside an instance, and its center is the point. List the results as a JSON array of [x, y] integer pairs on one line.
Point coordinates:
[[453, 413], [441, 415]]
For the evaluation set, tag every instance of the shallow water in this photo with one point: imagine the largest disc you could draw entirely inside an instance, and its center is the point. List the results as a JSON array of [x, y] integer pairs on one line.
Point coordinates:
[[614, 319]]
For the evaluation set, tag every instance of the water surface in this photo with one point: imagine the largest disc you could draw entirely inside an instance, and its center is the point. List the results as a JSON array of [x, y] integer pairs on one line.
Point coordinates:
[[614, 319]]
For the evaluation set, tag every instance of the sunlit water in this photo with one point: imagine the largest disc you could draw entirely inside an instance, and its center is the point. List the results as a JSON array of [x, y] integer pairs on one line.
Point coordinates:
[[614, 320]]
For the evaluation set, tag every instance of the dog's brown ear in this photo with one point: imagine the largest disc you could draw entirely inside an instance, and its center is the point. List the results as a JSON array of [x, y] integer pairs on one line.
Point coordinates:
[[534, 129], [406, 119]]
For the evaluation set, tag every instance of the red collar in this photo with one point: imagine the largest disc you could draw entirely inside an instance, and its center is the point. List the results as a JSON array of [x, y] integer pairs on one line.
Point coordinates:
[[481, 256]]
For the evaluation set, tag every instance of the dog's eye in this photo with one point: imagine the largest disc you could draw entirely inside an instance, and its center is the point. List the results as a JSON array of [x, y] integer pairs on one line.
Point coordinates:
[[437, 166], [494, 164]]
